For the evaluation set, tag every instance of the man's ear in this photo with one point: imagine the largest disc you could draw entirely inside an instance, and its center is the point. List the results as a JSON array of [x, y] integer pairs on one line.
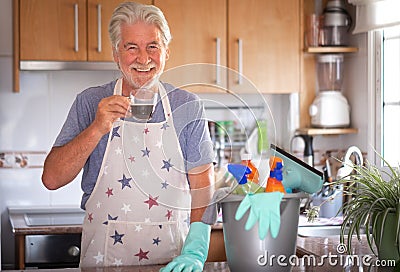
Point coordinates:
[[167, 54], [115, 56]]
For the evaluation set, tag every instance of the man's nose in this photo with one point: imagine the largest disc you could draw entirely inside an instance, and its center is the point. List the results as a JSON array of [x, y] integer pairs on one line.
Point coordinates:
[[143, 57]]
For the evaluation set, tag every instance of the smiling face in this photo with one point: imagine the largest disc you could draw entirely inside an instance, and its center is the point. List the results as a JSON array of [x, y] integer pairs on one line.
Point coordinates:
[[141, 55]]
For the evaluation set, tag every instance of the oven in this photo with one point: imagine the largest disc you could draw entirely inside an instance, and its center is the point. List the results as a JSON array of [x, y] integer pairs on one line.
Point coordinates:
[[47, 237], [52, 251]]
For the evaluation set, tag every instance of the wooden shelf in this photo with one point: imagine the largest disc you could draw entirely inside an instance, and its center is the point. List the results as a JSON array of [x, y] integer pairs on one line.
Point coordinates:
[[325, 131], [331, 49]]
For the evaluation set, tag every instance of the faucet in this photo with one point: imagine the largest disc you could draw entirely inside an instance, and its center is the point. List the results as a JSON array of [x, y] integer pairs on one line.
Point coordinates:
[[345, 170]]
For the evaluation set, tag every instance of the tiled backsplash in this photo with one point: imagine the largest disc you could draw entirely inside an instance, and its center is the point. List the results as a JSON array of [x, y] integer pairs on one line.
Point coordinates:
[[22, 159]]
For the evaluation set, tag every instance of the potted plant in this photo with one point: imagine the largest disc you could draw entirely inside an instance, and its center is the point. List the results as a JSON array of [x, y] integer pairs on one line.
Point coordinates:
[[373, 206]]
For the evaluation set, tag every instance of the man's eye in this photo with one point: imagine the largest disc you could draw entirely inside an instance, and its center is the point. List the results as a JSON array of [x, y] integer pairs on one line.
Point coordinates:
[[130, 47], [153, 47]]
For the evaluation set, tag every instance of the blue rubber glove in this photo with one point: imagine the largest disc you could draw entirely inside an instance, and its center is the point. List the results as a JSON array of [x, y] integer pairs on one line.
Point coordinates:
[[264, 208], [194, 252]]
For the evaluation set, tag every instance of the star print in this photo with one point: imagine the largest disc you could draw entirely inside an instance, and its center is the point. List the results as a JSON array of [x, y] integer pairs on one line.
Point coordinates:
[[126, 208], [152, 201], [169, 214], [147, 220], [159, 144], [164, 184], [117, 237], [110, 218], [156, 241], [165, 126], [125, 182], [146, 130], [145, 173], [90, 217], [105, 170], [145, 152], [109, 192], [115, 133], [99, 257], [142, 254], [132, 159], [167, 164], [118, 151], [98, 204], [135, 139], [138, 228], [117, 262]]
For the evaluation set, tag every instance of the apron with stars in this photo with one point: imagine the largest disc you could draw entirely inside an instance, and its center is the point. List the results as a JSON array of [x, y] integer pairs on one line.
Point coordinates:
[[139, 210]]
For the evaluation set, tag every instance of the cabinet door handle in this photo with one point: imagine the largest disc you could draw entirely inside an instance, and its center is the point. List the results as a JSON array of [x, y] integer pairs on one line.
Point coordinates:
[[240, 60], [76, 30], [217, 60], [99, 28]]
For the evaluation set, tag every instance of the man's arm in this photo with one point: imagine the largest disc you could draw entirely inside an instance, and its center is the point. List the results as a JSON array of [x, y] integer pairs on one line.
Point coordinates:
[[64, 163], [201, 185]]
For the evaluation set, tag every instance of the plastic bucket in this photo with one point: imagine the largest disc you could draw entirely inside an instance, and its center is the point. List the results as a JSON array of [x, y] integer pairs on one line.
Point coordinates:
[[244, 249]]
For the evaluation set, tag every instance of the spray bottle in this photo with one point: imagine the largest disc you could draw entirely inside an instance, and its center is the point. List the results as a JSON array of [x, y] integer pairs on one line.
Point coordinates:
[[240, 173], [253, 176], [274, 183]]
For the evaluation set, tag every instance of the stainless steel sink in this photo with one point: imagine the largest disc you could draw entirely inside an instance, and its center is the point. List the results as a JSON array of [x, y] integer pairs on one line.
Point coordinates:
[[45, 219], [320, 231], [49, 215]]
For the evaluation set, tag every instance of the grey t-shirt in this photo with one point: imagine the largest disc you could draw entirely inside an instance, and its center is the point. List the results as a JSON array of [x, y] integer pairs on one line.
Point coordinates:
[[189, 121]]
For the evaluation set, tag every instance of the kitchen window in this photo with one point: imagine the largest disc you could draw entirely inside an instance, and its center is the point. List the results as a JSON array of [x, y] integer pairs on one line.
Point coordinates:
[[387, 89]]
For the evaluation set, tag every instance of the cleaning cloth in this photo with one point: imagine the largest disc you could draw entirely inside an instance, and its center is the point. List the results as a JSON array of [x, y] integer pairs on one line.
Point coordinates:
[[211, 213]]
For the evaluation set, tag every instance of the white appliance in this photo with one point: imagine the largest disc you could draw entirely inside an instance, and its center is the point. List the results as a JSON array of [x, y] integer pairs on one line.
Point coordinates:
[[330, 108]]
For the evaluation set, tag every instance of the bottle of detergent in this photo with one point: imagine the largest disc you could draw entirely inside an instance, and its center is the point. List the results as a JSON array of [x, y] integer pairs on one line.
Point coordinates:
[[254, 175], [274, 183], [240, 173]]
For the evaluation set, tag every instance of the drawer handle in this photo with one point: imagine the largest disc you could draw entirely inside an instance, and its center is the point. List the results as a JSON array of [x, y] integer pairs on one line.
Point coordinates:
[[74, 251], [76, 27], [240, 60], [217, 60], [99, 28]]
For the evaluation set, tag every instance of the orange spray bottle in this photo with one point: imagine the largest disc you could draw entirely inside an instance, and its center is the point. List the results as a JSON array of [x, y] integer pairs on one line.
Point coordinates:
[[254, 175], [274, 183]]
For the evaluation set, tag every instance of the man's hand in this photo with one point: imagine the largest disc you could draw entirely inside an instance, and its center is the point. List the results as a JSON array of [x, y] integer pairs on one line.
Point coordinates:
[[109, 110]]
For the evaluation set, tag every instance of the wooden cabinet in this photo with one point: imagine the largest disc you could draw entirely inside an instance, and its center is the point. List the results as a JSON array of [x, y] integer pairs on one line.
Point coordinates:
[[52, 30], [242, 46], [252, 42], [199, 31], [264, 44], [65, 30]]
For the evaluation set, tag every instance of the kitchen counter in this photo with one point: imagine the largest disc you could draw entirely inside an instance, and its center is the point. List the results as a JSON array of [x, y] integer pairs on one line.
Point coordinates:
[[312, 253], [310, 248], [21, 230]]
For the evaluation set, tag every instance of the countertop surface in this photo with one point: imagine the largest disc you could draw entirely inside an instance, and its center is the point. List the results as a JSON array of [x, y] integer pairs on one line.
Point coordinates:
[[312, 253]]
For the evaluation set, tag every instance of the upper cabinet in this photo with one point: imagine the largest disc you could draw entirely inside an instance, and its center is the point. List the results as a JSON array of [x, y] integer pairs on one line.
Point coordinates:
[[52, 30], [199, 31], [65, 30], [264, 44], [255, 44], [236, 45]]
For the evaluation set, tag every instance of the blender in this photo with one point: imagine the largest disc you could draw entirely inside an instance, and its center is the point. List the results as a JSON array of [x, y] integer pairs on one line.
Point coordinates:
[[330, 108]]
